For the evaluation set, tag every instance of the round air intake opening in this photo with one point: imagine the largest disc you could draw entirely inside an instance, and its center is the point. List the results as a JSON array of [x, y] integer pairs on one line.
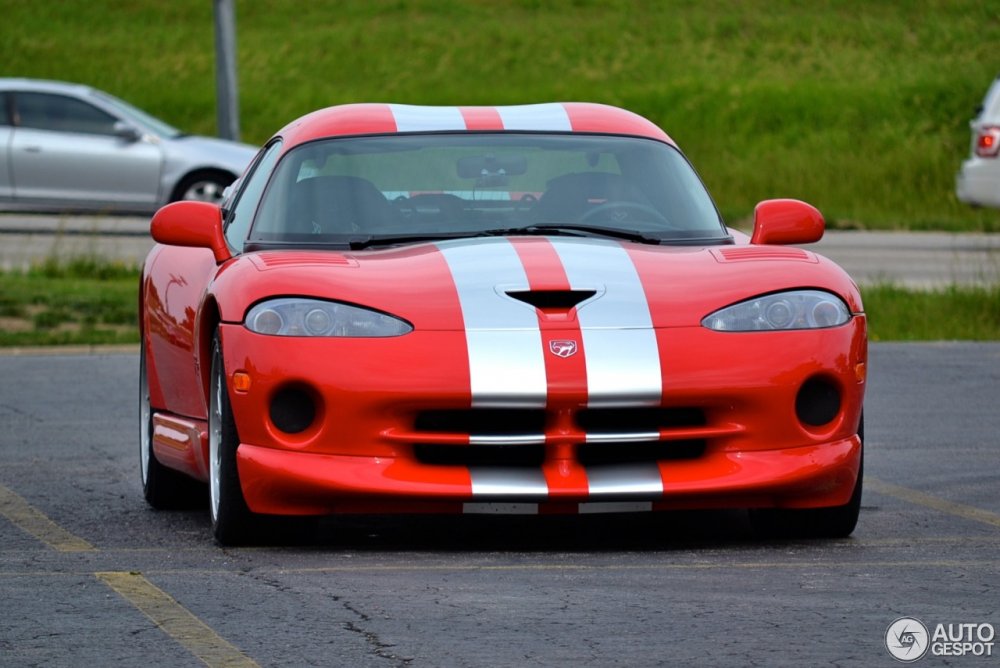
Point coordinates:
[[293, 410], [818, 402]]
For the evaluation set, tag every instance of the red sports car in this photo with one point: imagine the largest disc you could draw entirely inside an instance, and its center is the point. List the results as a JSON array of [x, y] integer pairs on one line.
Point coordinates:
[[521, 309]]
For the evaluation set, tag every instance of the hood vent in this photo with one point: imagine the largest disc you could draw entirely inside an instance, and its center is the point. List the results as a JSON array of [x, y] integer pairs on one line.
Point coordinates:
[[763, 253], [552, 300], [273, 260]]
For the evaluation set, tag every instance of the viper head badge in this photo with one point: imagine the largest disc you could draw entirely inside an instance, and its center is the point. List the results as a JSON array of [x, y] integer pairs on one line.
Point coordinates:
[[563, 347]]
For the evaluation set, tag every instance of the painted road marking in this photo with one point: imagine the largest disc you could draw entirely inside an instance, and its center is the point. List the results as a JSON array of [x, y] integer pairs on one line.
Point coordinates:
[[168, 615], [22, 515], [175, 620], [933, 502]]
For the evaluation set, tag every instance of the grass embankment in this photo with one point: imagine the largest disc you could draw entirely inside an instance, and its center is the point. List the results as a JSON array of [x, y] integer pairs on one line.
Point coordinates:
[[84, 301], [93, 302], [860, 108], [952, 313]]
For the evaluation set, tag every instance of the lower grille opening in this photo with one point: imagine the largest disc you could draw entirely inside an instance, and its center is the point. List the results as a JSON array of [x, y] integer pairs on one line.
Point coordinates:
[[596, 454], [625, 420], [533, 456], [482, 421], [519, 456]]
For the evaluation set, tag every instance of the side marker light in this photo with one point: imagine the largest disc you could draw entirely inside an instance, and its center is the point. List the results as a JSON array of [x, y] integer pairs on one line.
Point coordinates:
[[241, 381], [861, 371]]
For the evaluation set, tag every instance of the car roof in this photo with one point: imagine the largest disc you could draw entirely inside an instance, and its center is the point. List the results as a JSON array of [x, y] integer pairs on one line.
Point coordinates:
[[383, 118], [44, 86]]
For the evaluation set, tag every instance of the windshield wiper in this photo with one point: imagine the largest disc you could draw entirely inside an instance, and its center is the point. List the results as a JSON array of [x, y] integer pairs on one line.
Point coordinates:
[[343, 242], [360, 243], [573, 230]]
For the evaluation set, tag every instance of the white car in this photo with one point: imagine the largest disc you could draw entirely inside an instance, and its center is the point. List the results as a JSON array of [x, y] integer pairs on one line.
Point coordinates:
[[68, 147], [978, 182]]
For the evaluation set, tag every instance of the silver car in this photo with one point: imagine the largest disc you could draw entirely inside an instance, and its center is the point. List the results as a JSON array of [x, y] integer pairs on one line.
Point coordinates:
[[68, 147], [978, 182]]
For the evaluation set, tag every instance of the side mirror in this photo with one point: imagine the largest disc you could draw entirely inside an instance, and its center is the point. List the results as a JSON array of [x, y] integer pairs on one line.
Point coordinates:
[[191, 223], [786, 221], [126, 132]]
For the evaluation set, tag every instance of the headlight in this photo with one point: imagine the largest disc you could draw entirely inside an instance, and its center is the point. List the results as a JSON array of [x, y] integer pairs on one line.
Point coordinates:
[[798, 309], [294, 316]]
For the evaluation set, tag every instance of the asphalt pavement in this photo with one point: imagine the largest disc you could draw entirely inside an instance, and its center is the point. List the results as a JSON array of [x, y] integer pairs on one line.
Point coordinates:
[[912, 259], [91, 576]]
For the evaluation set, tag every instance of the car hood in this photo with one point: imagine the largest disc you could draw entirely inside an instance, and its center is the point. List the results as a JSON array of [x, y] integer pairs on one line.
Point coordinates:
[[514, 283], [210, 152]]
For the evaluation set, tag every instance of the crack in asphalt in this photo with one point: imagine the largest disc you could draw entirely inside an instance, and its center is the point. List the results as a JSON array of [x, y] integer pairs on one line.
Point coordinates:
[[378, 647], [20, 413]]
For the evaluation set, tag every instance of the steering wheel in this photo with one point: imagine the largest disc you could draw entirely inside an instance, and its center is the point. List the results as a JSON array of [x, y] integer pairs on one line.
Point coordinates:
[[527, 202], [403, 206], [622, 213]]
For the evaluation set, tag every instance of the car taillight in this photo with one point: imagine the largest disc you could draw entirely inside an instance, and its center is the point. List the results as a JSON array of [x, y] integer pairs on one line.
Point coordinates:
[[988, 142]]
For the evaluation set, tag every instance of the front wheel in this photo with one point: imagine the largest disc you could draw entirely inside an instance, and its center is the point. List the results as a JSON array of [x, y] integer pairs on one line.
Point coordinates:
[[836, 522], [231, 519]]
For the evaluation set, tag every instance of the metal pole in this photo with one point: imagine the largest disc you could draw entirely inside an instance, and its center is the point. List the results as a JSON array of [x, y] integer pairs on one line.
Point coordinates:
[[227, 95]]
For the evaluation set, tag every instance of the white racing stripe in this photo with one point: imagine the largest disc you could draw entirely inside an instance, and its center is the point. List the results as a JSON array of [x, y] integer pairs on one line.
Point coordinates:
[[543, 117], [550, 117], [509, 483], [625, 480], [504, 341], [622, 355], [521, 439], [506, 356], [410, 118]]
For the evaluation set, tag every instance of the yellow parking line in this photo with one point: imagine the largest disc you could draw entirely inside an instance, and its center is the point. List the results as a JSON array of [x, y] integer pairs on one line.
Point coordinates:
[[934, 502], [175, 620], [32, 521]]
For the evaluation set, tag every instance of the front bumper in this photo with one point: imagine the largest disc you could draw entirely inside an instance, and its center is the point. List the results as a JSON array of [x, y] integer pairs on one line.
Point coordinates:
[[284, 483], [394, 429]]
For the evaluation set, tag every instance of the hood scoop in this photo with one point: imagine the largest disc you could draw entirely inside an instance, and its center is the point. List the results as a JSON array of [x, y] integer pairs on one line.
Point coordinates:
[[552, 301]]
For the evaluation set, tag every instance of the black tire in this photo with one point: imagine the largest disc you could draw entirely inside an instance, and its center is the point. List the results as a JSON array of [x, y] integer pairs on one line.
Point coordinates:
[[232, 521], [836, 522], [163, 488], [203, 186]]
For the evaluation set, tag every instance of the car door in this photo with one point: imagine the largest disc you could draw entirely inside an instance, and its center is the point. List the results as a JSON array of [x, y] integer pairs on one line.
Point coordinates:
[[65, 152]]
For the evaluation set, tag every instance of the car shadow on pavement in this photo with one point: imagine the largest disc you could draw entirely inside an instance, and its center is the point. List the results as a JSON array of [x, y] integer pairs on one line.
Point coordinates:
[[592, 533]]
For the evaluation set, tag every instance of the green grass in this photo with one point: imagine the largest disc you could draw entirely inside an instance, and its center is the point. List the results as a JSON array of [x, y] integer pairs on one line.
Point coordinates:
[[859, 108], [84, 301], [952, 313], [88, 301]]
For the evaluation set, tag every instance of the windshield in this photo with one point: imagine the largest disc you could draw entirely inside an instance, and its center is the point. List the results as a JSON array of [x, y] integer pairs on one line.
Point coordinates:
[[363, 190], [138, 116]]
